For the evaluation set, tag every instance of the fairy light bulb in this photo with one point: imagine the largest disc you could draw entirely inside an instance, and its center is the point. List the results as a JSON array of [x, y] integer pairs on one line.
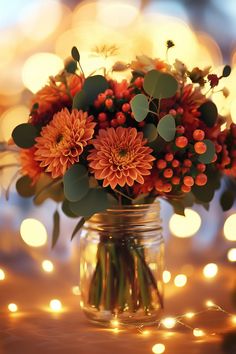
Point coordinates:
[[210, 303], [180, 280], [233, 319], [55, 305], [231, 255], [158, 348], [2, 274], [210, 270], [189, 315], [47, 266], [166, 276], [12, 307], [197, 332], [169, 322], [114, 323]]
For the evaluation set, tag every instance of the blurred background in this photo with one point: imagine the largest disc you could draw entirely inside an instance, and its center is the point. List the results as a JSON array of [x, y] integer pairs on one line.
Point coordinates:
[[36, 36]]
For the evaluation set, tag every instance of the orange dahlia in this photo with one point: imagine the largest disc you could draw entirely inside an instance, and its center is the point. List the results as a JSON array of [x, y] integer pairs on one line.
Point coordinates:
[[63, 140], [29, 166], [120, 157], [52, 98]]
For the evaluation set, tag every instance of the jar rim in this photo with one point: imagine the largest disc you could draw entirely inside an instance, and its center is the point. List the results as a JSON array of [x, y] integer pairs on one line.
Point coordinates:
[[132, 207]]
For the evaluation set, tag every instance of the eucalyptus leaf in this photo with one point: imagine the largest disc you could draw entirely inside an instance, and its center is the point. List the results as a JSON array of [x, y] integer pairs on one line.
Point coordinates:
[[95, 201], [209, 113], [24, 187], [160, 85], [94, 85], [56, 228], [78, 227], [24, 135], [71, 67], [226, 71], [166, 127], [66, 209], [150, 132], [76, 183], [80, 101], [140, 107], [75, 54], [208, 156], [227, 200]]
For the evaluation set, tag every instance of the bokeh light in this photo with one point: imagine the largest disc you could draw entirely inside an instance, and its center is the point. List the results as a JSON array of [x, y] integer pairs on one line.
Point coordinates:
[[231, 255], [185, 226], [230, 227], [169, 322], [158, 348], [38, 68], [33, 232], [55, 305], [47, 266], [39, 19], [2, 274], [197, 332], [10, 119], [76, 290], [210, 270], [12, 307], [180, 280], [166, 276]]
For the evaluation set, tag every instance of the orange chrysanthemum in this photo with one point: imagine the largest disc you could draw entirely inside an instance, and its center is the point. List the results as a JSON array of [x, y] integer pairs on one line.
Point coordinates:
[[29, 166], [120, 157], [52, 98], [144, 63], [63, 140]]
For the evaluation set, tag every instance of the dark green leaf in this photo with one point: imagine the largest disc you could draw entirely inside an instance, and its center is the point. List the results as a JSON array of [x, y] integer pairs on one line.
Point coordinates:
[[56, 228], [48, 188], [208, 156], [95, 201], [203, 193], [140, 107], [94, 85], [226, 71], [78, 227], [80, 101], [160, 85], [24, 187], [24, 135], [66, 209], [150, 132], [209, 113], [75, 54], [76, 183], [166, 127], [71, 67], [227, 200]]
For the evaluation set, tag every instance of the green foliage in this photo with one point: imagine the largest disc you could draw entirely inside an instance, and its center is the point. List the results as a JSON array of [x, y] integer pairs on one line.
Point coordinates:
[[80, 100], [71, 67], [24, 187], [65, 207], [76, 183], [166, 127], [150, 132], [75, 54], [227, 200], [78, 227], [48, 188], [95, 201], [204, 194], [160, 85], [226, 71], [56, 228], [209, 113], [208, 156], [140, 107], [24, 135]]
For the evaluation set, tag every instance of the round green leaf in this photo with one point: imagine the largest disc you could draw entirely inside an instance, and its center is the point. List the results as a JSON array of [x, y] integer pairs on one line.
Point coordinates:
[[24, 135], [66, 209], [95, 201], [71, 67], [208, 156], [226, 71], [160, 85], [209, 113], [227, 200], [75, 54], [80, 101], [166, 127], [76, 183], [94, 85], [24, 187], [140, 107], [150, 132]]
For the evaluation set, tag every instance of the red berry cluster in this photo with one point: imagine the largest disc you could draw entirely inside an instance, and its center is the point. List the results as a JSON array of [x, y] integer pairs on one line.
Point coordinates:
[[226, 150]]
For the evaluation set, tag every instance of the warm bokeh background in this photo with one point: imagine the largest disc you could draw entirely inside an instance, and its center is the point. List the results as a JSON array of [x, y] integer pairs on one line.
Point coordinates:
[[36, 37]]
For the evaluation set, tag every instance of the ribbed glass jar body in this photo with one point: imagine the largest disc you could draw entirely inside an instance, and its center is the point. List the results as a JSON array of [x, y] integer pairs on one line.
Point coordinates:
[[121, 265]]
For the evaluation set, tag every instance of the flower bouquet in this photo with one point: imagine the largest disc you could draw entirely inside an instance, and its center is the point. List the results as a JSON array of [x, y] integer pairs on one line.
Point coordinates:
[[96, 146]]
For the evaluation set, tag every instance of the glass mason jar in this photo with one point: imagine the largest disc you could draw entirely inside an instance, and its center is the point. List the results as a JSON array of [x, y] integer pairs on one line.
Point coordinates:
[[121, 265]]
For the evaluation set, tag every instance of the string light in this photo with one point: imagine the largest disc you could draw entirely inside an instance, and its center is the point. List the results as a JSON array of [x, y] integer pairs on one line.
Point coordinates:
[[166, 276], [197, 332], [2, 274], [47, 266], [55, 305], [231, 255], [114, 323], [180, 280], [158, 348], [12, 307], [233, 319], [210, 303], [169, 322], [210, 270], [189, 315]]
